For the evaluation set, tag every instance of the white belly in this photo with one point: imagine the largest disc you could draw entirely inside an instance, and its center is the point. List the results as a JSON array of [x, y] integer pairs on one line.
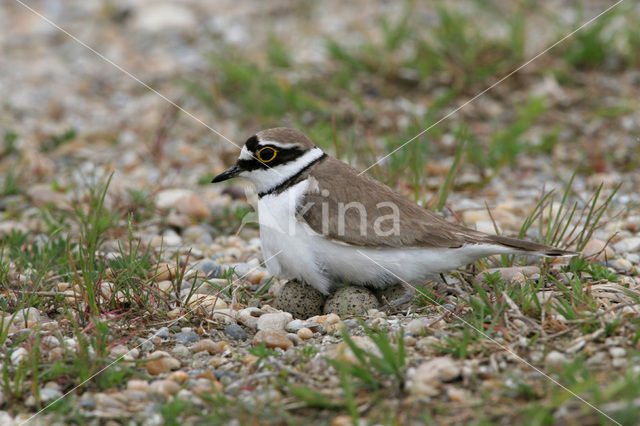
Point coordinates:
[[292, 250], [287, 247]]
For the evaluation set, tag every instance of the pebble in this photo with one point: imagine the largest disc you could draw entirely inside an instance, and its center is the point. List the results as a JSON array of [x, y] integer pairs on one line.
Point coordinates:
[[555, 358], [206, 303], [139, 385], [48, 394], [210, 268], [622, 265], [165, 16], [197, 234], [162, 364], [165, 271], [294, 338], [418, 326], [627, 245], [305, 333], [30, 316], [351, 300], [163, 333], [301, 300], [272, 339], [249, 317], [18, 355], [178, 376], [209, 346], [598, 250], [275, 321], [617, 352], [235, 332], [165, 388], [186, 337], [181, 351], [429, 375]]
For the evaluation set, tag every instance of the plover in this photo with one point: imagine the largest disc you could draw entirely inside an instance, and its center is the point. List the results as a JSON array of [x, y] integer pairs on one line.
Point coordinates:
[[323, 223]]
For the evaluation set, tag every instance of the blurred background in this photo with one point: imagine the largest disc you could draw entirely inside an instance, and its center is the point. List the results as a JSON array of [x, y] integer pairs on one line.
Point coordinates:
[[360, 78]]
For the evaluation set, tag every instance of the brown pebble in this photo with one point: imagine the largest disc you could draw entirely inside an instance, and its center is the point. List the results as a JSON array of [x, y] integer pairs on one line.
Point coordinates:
[[207, 374], [163, 387], [210, 346], [165, 271], [272, 339], [161, 362], [304, 333], [178, 376]]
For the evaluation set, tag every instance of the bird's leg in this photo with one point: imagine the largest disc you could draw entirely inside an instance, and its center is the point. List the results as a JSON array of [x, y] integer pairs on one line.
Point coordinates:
[[409, 292]]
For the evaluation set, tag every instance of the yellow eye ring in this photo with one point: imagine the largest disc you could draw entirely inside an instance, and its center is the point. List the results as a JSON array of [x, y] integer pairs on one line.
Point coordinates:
[[266, 160]]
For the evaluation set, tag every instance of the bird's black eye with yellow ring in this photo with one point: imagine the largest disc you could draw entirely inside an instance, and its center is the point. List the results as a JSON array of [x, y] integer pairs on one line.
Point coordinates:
[[267, 154]]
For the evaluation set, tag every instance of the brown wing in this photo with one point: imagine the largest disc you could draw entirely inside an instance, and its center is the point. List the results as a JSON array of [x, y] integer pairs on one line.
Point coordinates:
[[372, 213]]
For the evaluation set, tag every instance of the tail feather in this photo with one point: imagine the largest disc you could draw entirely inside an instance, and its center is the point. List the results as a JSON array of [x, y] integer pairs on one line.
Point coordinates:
[[528, 246]]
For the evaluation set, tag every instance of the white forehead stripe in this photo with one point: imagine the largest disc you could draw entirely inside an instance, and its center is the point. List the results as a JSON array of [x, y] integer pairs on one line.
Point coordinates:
[[278, 144], [245, 154]]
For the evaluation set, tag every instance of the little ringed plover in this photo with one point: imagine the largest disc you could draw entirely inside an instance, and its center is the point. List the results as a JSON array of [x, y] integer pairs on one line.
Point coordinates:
[[324, 224]]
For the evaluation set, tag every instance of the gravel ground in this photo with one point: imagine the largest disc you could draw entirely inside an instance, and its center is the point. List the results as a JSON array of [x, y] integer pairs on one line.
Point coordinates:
[[207, 335]]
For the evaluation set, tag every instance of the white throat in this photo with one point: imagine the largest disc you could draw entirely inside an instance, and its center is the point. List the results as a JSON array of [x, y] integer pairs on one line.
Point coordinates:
[[266, 179]]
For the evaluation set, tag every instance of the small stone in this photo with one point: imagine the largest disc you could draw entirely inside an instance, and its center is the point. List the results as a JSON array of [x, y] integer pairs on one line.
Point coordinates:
[[163, 333], [18, 355], [163, 17], [49, 394], [178, 376], [165, 271], [186, 337], [351, 300], [181, 351], [28, 316], [418, 326], [210, 346], [456, 395], [555, 358], [249, 317], [161, 362], [597, 250], [619, 362], [119, 350], [295, 325], [198, 235], [50, 342], [617, 352], [428, 376], [210, 268], [274, 322], [206, 303], [622, 265], [272, 339], [628, 245], [139, 385], [304, 333], [301, 300], [235, 332], [165, 388], [294, 338]]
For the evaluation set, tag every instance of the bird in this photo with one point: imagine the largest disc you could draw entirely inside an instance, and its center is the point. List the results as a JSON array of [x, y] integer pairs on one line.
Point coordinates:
[[324, 223]]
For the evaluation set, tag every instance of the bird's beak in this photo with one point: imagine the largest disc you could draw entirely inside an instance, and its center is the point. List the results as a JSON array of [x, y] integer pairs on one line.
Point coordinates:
[[232, 171]]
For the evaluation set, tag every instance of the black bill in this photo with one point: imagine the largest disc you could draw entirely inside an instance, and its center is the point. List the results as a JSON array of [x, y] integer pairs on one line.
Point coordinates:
[[232, 171]]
